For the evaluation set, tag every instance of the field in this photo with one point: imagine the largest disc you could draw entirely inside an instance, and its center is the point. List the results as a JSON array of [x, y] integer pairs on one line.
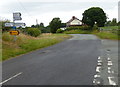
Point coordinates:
[[25, 43]]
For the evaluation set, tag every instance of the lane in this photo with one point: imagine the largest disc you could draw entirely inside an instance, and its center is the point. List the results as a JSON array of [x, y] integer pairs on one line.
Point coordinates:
[[72, 62]]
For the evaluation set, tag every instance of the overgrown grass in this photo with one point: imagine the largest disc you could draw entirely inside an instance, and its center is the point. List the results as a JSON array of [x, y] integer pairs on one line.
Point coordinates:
[[27, 43]]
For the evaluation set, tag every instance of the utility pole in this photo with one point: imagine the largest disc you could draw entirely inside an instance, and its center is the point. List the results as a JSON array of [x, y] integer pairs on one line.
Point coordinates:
[[37, 23]]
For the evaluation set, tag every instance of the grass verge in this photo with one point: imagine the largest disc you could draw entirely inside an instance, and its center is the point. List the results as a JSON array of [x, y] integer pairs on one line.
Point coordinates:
[[27, 43], [110, 27], [107, 35]]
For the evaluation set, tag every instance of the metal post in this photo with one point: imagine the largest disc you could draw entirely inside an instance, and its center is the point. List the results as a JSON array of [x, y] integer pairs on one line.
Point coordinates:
[[14, 29]]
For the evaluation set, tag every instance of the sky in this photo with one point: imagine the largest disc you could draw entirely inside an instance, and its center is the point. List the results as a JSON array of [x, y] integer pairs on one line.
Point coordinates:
[[45, 10]]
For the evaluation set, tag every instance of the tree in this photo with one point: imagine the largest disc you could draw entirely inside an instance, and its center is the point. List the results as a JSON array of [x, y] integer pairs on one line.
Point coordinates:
[[2, 24], [114, 22], [41, 24], [55, 24], [108, 23], [63, 25], [94, 14]]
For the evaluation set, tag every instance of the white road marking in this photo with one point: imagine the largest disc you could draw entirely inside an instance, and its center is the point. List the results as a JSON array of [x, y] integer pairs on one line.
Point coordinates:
[[111, 82], [98, 69], [99, 61], [109, 69], [110, 63], [99, 58], [10, 78], [95, 81], [109, 59], [95, 76], [99, 64]]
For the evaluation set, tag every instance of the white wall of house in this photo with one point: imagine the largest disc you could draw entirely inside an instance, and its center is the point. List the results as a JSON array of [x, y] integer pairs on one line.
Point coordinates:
[[76, 22]]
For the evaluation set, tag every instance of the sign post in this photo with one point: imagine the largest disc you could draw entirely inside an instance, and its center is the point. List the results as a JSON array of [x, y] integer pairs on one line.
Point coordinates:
[[16, 16]]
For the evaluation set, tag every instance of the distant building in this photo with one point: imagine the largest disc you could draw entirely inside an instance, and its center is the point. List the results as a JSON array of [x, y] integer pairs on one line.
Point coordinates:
[[74, 22]]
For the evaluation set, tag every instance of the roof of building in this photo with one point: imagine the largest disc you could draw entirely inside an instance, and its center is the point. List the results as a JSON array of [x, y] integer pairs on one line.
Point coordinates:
[[73, 17]]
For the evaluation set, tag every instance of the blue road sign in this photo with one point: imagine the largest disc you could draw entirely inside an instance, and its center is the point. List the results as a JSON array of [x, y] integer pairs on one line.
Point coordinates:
[[14, 27]]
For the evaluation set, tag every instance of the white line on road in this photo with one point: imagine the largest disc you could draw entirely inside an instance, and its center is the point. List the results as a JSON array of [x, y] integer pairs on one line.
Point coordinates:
[[99, 64], [110, 63], [10, 78], [98, 69], [95, 76], [109, 59], [99, 58], [99, 61], [111, 82]]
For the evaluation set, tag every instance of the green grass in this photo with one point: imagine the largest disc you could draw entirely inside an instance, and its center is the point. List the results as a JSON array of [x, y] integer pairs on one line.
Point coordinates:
[[107, 35], [110, 27], [27, 43]]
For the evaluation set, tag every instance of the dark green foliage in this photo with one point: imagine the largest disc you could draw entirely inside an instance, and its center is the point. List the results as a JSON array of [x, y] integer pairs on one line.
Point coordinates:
[[33, 32], [95, 27], [59, 31], [114, 22], [2, 25], [92, 15], [63, 25], [55, 24]]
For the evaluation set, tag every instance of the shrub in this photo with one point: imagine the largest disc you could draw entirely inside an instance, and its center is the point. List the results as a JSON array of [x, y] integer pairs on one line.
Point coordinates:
[[95, 27], [33, 32], [59, 31]]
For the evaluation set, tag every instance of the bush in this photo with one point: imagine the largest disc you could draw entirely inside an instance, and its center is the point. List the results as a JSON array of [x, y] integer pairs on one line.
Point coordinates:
[[95, 27], [59, 31], [33, 32]]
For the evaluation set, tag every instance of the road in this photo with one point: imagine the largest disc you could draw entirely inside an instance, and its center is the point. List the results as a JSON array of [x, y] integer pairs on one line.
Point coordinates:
[[72, 62]]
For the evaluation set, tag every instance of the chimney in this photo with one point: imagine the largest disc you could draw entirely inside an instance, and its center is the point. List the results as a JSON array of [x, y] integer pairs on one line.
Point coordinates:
[[73, 17]]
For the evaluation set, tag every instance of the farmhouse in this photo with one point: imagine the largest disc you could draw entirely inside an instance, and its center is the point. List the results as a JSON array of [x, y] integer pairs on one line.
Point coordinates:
[[74, 22]]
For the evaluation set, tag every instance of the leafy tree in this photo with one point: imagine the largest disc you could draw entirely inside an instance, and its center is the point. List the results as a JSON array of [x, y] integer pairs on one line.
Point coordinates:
[[108, 23], [2, 25], [33, 26], [55, 24], [41, 24], [63, 25], [94, 14], [114, 22]]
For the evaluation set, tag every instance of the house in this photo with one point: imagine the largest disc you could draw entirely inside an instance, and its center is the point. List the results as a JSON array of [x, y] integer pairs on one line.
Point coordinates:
[[74, 22]]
